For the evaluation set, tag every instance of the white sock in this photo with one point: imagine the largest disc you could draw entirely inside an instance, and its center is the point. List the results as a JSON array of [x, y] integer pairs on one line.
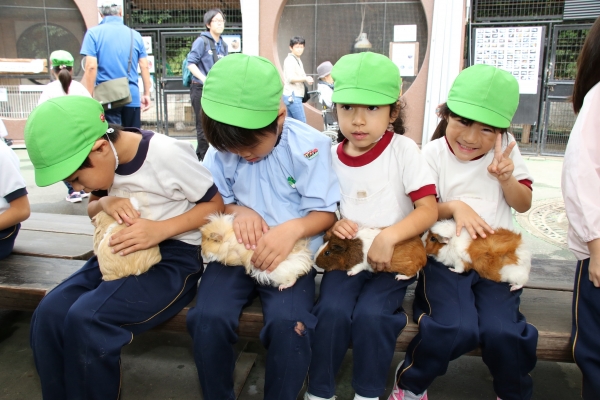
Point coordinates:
[[308, 396], [359, 397]]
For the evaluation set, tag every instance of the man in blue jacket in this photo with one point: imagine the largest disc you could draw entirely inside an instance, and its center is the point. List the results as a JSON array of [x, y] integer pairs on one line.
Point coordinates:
[[106, 48], [208, 48]]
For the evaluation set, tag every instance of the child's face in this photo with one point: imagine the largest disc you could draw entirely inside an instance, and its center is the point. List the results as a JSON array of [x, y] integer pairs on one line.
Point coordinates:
[[362, 125], [469, 142], [102, 173], [260, 150]]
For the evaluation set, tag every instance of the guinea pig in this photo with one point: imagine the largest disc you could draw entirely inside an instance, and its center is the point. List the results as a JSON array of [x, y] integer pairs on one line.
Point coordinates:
[[500, 257], [351, 254], [220, 244], [114, 266]]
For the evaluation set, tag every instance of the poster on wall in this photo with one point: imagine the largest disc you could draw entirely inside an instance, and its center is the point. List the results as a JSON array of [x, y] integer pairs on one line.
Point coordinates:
[[234, 43], [147, 44], [513, 49], [405, 55]]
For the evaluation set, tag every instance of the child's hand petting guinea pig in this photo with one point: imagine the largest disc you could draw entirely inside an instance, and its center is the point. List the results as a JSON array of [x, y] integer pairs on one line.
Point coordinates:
[[345, 229], [381, 251]]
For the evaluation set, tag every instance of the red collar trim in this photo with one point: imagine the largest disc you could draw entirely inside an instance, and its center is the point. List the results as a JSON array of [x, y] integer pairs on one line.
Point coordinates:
[[369, 156], [452, 151]]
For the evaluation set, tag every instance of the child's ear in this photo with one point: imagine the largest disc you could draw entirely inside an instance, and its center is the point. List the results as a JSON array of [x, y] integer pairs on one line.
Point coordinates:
[[98, 145], [281, 114]]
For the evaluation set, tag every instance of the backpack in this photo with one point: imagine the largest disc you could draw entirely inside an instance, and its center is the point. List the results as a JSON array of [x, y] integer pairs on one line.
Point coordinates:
[[186, 75]]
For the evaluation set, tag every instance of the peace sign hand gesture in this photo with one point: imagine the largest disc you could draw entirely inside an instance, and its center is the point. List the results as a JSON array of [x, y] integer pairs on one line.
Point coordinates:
[[502, 166]]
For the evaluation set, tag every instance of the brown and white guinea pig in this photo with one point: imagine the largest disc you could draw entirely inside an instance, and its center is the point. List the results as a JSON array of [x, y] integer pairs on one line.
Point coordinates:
[[500, 257], [351, 254], [114, 266], [219, 244]]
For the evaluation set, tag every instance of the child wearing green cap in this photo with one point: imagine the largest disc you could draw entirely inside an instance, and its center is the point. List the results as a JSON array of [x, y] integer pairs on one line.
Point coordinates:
[[63, 85], [274, 174], [79, 328], [384, 182], [480, 176]]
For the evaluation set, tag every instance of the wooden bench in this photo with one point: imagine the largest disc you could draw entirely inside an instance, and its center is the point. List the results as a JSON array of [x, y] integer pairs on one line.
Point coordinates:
[[24, 280]]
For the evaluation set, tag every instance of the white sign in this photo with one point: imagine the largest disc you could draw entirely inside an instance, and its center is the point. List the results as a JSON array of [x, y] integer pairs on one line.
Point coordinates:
[[514, 49], [405, 33], [405, 55], [147, 44], [234, 43], [32, 67], [3, 94]]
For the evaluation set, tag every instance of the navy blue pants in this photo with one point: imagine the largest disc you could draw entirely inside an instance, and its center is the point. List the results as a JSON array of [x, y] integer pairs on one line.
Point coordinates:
[[79, 328], [586, 325], [456, 313], [223, 293], [365, 309], [7, 240], [128, 117]]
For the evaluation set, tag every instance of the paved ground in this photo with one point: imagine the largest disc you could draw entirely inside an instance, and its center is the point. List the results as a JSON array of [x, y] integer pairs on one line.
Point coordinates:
[[160, 365]]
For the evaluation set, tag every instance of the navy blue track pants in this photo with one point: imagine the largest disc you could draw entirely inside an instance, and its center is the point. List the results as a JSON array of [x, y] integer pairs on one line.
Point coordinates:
[[458, 312], [79, 328], [586, 325], [223, 293], [365, 309]]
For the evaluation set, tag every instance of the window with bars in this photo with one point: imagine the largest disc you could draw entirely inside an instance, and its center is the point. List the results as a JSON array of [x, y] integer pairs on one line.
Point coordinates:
[[491, 10], [568, 46], [179, 13]]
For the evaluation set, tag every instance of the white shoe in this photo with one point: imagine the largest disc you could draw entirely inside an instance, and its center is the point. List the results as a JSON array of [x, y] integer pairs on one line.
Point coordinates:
[[84, 194], [74, 197], [308, 396]]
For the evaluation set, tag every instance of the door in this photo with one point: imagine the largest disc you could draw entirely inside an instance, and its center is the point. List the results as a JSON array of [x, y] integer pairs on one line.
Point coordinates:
[[559, 118]]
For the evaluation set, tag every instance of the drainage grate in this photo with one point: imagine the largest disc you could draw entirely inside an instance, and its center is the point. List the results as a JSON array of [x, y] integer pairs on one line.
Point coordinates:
[[546, 220]]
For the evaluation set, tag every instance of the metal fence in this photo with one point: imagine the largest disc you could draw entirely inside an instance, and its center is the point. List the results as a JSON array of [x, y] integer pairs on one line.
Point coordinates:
[[20, 100], [178, 13], [514, 10]]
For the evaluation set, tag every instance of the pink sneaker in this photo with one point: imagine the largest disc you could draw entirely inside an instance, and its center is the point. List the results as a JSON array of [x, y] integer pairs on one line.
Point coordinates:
[[400, 394]]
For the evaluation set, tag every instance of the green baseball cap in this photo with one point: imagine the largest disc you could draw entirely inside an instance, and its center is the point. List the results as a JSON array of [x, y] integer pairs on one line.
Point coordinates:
[[243, 91], [61, 57], [485, 94], [59, 135], [366, 78]]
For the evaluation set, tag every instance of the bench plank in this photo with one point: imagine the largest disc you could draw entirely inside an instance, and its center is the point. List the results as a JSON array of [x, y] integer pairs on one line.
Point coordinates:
[[25, 280], [53, 244], [60, 223]]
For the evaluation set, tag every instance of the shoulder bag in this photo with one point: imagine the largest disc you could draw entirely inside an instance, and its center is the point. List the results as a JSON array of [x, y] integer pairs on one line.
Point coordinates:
[[115, 92]]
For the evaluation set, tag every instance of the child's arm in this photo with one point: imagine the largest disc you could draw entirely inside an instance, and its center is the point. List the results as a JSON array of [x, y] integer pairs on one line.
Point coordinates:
[[420, 219], [18, 212], [517, 195], [143, 233], [276, 244]]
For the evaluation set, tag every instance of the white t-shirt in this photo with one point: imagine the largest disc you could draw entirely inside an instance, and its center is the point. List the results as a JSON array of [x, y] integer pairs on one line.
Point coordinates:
[[54, 89], [166, 178], [470, 181], [293, 69], [378, 188], [12, 184]]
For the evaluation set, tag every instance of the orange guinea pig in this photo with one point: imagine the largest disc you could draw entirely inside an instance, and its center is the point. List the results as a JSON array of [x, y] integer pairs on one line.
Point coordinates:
[[500, 257], [351, 254]]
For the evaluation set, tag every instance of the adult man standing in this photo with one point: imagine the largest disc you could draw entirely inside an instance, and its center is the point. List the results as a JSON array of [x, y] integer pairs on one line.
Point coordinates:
[[207, 49], [107, 48]]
